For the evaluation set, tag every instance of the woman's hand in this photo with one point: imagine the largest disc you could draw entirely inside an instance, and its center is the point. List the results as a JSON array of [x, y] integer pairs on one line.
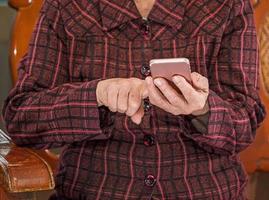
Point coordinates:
[[123, 95], [193, 99]]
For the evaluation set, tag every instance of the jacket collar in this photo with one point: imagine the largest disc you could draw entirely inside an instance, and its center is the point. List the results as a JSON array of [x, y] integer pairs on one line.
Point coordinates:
[[116, 12]]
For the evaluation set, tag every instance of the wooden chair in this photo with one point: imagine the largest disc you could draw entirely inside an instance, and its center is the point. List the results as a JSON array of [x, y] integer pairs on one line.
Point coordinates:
[[24, 171], [256, 157]]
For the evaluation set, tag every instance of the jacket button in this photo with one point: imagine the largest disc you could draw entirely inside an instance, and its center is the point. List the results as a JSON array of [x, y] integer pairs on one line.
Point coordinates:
[[145, 70], [145, 28], [146, 105], [149, 140], [150, 180]]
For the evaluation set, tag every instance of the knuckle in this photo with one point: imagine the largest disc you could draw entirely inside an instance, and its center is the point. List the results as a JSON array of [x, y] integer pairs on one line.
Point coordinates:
[[129, 113], [174, 112], [122, 108], [111, 108]]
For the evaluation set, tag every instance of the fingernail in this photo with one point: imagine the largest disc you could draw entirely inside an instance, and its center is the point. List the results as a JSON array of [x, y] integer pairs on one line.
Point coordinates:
[[177, 79], [158, 82]]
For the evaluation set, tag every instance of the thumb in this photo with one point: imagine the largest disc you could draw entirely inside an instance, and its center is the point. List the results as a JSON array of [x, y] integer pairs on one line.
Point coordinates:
[[137, 117]]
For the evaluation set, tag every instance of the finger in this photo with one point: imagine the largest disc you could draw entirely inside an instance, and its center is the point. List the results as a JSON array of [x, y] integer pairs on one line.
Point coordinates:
[[144, 91], [105, 97], [101, 93], [156, 97], [123, 99], [112, 93], [134, 102], [200, 82], [171, 94], [186, 88], [137, 117]]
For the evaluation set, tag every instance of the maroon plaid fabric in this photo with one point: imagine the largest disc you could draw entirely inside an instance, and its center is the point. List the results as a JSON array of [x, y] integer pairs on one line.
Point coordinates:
[[77, 43]]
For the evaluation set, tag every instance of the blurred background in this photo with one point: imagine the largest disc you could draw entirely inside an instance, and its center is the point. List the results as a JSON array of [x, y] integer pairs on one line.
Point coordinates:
[[7, 16], [255, 158]]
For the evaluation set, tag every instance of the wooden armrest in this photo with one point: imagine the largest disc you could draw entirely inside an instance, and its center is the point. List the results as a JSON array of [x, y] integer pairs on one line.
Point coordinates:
[[26, 170], [19, 3], [27, 15]]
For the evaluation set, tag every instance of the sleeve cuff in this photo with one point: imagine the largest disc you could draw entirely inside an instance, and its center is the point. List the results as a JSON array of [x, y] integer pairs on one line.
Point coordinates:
[[200, 122], [206, 122], [101, 119]]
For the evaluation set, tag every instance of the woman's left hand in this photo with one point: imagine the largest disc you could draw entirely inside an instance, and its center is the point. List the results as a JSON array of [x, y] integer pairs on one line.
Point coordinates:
[[193, 99]]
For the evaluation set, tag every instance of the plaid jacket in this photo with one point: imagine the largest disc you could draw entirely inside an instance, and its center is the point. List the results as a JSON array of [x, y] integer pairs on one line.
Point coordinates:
[[75, 44]]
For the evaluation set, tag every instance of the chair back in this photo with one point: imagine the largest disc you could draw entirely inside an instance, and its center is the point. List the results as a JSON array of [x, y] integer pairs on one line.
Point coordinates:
[[27, 14], [256, 157]]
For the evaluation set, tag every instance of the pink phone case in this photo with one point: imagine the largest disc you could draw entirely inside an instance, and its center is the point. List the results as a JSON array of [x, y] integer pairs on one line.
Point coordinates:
[[168, 67]]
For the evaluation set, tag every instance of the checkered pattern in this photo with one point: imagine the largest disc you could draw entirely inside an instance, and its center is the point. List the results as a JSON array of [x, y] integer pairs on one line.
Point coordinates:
[[77, 43]]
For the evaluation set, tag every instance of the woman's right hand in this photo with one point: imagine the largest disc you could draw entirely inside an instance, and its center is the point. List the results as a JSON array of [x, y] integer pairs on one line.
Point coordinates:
[[124, 95]]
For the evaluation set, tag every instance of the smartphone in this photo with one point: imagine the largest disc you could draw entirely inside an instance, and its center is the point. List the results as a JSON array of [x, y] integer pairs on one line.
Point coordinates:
[[168, 67]]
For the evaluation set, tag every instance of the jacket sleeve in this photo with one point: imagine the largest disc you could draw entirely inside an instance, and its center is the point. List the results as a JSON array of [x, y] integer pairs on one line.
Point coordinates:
[[235, 107], [45, 109]]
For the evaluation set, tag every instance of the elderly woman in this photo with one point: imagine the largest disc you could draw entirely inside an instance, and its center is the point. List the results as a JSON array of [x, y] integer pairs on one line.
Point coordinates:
[[85, 84]]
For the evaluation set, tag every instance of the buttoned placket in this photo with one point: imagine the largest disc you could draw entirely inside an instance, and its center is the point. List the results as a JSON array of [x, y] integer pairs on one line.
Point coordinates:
[[145, 68], [148, 139], [145, 29]]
